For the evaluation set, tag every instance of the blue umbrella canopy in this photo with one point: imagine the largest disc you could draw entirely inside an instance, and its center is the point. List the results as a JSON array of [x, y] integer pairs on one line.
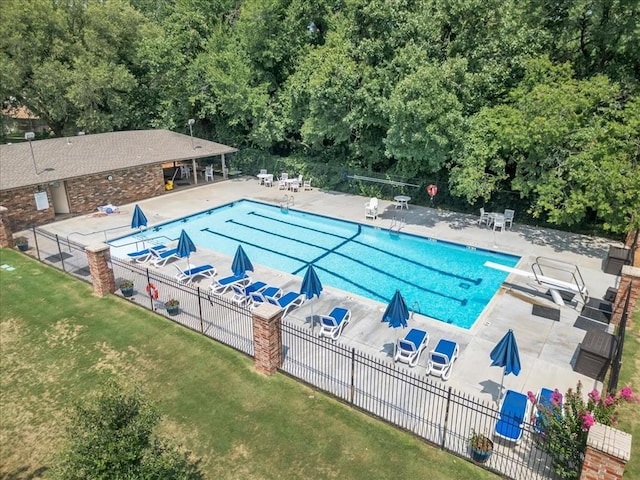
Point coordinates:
[[505, 354], [311, 285], [241, 262], [138, 220], [185, 245], [397, 312]]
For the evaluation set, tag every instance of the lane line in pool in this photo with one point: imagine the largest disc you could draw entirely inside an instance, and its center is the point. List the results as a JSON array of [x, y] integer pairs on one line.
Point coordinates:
[[267, 217], [462, 301]]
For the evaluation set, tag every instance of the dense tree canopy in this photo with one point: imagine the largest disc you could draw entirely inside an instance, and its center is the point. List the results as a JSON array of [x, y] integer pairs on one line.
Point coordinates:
[[537, 98]]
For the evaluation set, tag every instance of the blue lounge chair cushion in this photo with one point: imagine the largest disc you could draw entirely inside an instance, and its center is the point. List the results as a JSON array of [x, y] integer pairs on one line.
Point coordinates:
[[512, 415], [231, 279], [444, 347], [254, 287], [413, 340], [544, 400], [144, 255], [200, 269], [338, 314], [287, 299]]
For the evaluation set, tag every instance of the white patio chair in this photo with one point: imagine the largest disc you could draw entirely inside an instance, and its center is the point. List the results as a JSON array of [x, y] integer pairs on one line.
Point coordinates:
[[185, 172], [371, 209], [484, 217], [508, 217], [268, 181], [208, 173], [498, 222], [307, 184]]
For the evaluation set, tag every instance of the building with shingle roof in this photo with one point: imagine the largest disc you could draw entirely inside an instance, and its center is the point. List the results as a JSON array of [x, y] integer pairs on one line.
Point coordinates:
[[78, 174]]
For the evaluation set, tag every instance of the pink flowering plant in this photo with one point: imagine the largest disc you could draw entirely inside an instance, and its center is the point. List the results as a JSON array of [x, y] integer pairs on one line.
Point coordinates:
[[563, 424]]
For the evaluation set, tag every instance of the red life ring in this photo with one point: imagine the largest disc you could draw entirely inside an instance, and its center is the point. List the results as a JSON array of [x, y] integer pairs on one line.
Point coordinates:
[[152, 291], [432, 190]]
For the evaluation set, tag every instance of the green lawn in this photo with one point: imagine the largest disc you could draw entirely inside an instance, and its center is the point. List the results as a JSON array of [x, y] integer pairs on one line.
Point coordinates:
[[58, 342]]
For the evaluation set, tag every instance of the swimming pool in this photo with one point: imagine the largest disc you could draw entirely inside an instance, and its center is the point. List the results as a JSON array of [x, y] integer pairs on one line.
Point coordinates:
[[442, 280]]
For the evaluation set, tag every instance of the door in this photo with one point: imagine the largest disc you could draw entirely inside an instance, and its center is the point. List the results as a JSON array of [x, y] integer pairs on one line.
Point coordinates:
[[59, 197]]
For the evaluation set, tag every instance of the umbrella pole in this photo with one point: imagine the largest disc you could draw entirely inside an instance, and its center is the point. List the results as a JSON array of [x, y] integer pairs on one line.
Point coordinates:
[[501, 385], [313, 320]]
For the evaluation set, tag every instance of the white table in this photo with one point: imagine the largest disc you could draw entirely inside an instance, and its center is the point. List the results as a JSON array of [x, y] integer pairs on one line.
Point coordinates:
[[265, 176], [402, 201]]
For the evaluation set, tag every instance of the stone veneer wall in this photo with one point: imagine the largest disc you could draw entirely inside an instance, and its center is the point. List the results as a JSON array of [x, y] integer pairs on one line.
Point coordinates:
[[85, 194], [127, 186], [21, 206]]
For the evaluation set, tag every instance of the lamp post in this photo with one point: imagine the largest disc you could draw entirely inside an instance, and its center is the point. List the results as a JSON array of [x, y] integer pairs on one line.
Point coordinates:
[[30, 136], [191, 122]]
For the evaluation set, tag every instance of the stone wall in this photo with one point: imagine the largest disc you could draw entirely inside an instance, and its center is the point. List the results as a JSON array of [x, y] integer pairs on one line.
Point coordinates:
[[85, 194]]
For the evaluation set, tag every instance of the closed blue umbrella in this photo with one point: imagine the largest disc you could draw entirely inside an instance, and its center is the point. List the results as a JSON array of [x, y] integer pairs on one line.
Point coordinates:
[[138, 220], [185, 246], [505, 354], [241, 262], [397, 312], [311, 286]]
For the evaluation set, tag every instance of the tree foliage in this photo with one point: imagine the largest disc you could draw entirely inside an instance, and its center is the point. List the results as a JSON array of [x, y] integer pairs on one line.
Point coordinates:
[[537, 98], [110, 436]]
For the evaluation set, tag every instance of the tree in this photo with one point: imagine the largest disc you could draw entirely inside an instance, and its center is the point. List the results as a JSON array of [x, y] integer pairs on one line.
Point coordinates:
[[110, 436]]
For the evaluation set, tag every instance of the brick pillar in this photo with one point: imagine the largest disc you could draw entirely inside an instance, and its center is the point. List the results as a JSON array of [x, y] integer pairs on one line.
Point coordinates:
[[101, 275], [608, 451], [267, 338], [629, 276], [6, 235]]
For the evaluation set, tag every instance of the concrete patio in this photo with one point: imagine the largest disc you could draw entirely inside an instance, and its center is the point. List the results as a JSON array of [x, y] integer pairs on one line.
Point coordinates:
[[547, 347]]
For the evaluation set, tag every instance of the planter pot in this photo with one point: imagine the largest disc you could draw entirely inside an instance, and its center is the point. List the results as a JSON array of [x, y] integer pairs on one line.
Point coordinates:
[[23, 247], [127, 292], [480, 456], [173, 310]]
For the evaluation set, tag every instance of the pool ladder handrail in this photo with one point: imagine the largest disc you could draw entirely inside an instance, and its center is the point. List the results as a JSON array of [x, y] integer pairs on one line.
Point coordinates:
[[286, 201], [397, 224], [413, 308]]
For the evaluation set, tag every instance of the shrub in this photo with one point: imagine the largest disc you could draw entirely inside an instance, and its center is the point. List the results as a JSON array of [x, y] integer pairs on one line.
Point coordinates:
[[564, 429]]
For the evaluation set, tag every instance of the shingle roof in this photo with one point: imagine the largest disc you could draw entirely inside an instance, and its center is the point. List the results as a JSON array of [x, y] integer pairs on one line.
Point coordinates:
[[72, 157]]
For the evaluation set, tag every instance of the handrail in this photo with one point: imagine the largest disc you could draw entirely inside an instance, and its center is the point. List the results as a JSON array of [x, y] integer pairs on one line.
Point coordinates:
[[382, 180], [574, 272], [98, 231]]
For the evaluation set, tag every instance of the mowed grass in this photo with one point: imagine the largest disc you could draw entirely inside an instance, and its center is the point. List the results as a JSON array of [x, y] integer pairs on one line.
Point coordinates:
[[59, 342], [629, 413]]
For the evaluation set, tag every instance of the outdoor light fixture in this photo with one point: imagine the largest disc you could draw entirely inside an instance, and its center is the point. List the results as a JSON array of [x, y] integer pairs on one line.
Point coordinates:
[[191, 122], [30, 136]]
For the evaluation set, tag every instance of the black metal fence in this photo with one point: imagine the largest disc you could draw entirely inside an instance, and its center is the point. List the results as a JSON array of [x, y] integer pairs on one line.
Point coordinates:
[[433, 411], [616, 362], [61, 253], [199, 310]]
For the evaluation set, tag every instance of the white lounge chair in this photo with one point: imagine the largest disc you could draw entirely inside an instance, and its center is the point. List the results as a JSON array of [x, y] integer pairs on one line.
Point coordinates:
[[371, 209], [259, 297], [288, 301], [442, 357], [332, 325], [409, 348], [189, 275], [219, 287], [160, 259], [241, 293], [143, 256]]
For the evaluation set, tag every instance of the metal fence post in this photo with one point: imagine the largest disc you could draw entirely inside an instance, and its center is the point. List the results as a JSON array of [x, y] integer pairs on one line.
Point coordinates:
[[64, 269], [35, 238], [446, 419], [149, 283], [200, 311], [353, 374]]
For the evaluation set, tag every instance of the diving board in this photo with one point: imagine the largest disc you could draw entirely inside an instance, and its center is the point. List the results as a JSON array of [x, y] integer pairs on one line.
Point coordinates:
[[554, 284]]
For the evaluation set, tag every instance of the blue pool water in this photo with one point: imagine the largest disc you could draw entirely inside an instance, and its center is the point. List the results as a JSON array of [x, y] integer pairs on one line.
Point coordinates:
[[443, 280]]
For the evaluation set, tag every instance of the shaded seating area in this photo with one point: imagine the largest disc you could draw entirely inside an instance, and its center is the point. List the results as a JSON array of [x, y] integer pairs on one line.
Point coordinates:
[[332, 325], [514, 410], [189, 275], [442, 357], [409, 348]]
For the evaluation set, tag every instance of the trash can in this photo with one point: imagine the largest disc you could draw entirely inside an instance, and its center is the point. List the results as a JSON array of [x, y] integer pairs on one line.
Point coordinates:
[[616, 259], [596, 351]]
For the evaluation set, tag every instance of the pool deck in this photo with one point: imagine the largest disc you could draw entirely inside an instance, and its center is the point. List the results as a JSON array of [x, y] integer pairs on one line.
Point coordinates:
[[547, 347]]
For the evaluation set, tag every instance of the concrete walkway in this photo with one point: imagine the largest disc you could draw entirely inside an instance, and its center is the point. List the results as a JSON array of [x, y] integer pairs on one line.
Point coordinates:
[[547, 347]]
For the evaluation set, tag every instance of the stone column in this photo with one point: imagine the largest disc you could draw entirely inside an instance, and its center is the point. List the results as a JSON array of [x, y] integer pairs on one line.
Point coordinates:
[[101, 275], [6, 235], [608, 451], [267, 338], [630, 276]]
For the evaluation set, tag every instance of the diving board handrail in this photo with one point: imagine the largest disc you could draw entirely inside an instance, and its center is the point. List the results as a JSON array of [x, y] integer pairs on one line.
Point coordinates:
[[566, 268]]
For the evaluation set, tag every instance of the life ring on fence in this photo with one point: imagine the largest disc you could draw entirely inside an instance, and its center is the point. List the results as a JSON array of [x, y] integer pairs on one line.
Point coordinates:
[[432, 190], [152, 291]]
